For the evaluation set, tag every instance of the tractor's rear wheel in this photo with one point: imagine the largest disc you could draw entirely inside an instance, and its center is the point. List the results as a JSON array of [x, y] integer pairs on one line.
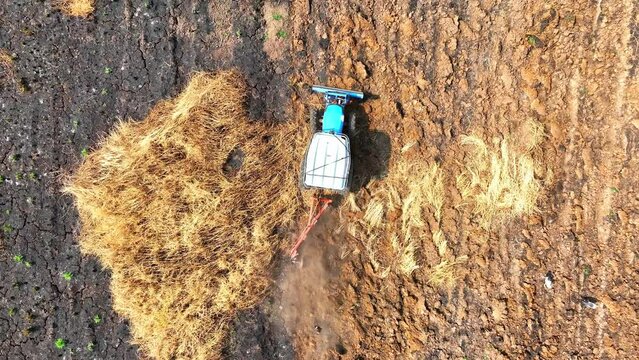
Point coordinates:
[[312, 117]]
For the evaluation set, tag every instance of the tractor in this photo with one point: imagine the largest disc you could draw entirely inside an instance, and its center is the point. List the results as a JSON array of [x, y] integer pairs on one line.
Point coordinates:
[[327, 164]]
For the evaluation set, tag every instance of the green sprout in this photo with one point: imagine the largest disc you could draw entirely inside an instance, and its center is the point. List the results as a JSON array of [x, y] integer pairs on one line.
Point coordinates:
[[11, 311], [2, 178], [18, 258], [534, 41], [84, 152], [104, 91], [281, 34], [277, 17], [15, 157], [67, 276], [587, 271], [614, 190], [60, 343], [7, 228], [238, 33], [91, 346], [33, 175], [97, 319], [28, 264], [108, 70], [19, 176]]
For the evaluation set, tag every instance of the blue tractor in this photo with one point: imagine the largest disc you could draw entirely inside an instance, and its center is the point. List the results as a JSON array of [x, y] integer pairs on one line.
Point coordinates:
[[327, 164]]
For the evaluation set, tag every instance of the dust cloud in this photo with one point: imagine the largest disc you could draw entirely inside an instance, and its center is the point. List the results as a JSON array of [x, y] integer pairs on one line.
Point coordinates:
[[307, 302]]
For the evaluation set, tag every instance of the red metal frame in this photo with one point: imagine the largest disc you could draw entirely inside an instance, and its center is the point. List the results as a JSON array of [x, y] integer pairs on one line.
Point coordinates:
[[317, 209]]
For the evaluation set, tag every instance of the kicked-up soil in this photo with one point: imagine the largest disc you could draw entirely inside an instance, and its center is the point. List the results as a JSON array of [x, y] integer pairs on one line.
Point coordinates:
[[433, 71]]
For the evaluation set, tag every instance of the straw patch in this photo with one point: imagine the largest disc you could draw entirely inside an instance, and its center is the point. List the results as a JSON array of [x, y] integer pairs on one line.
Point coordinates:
[[188, 242], [6, 63], [394, 218], [7, 67], [499, 180], [81, 8], [444, 274]]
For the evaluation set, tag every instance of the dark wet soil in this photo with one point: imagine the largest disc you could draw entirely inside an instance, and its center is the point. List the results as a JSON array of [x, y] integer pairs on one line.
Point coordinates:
[[81, 76]]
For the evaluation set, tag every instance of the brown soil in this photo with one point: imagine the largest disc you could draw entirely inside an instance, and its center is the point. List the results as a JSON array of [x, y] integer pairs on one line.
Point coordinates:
[[441, 70]]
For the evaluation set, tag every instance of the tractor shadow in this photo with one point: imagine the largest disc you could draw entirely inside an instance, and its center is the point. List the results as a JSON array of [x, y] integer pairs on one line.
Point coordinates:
[[370, 150]]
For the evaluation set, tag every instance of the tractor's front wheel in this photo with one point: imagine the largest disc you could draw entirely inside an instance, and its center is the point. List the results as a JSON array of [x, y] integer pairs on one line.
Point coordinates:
[[352, 124]]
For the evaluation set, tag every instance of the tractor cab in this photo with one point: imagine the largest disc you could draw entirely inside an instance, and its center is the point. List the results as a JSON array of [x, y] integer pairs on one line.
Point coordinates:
[[327, 164]]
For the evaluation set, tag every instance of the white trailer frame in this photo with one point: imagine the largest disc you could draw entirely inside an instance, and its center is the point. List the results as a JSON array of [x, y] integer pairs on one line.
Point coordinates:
[[328, 162]]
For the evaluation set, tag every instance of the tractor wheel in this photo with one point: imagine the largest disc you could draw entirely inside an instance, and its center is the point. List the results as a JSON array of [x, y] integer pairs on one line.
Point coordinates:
[[313, 120], [352, 124], [302, 171]]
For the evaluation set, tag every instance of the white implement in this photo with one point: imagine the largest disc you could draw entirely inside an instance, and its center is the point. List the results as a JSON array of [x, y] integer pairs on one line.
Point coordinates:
[[328, 162]]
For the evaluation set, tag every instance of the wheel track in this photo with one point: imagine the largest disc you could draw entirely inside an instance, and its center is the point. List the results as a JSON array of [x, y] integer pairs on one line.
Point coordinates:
[[616, 120]]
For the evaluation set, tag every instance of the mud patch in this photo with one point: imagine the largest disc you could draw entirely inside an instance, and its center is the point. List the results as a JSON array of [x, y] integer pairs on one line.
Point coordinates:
[[269, 96]]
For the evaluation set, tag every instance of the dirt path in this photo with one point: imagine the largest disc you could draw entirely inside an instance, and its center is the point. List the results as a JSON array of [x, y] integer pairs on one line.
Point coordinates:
[[434, 71]]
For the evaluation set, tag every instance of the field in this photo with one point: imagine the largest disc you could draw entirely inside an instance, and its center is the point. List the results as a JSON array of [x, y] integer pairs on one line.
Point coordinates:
[[495, 213]]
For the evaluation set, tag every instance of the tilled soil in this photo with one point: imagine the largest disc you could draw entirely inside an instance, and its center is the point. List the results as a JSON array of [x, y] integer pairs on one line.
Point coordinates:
[[432, 71]]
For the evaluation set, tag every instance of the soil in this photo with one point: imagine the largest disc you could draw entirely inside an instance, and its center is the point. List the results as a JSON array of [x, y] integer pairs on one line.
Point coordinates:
[[432, 71]]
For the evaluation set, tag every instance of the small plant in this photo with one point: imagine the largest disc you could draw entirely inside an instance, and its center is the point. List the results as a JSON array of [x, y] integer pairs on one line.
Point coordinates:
[[84, 152], [15, 157], [108, 70], [583, 91], [91, 346], [18, 258], [19, 176], [614, 190], [60, 343], [97, 319], [281, 34], [11, 311], [2, 178], [67, 276], [7, 228], [534, 41], [104, 91], [238, 33], [587, 271], [277, 17], [28, 264], [33, 176]]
